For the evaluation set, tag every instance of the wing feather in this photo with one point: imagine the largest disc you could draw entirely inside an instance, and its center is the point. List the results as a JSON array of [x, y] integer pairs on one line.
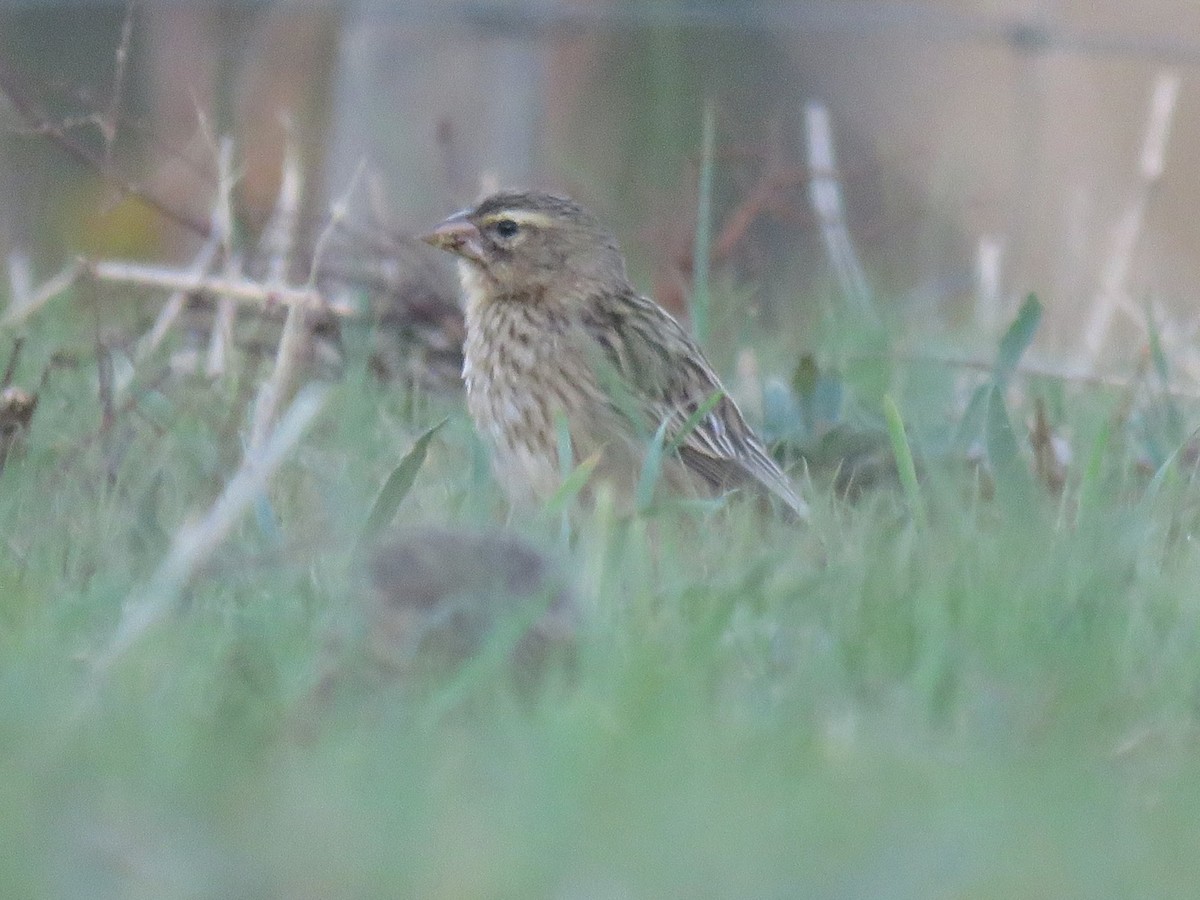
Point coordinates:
[[668, 379]]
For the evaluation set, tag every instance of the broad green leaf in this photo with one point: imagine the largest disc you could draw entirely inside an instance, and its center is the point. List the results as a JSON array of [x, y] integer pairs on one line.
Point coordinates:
[[268, 522], [827, 402], [1173, 425], [1160, 478], [781, 415]]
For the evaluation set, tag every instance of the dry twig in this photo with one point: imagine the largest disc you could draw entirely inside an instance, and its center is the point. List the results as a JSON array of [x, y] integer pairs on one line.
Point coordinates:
[[1113, 294], [826, 192], [194, 542], [280, 235]]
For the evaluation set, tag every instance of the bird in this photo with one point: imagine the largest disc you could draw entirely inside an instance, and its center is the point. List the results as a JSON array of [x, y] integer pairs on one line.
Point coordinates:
[[557, 336]]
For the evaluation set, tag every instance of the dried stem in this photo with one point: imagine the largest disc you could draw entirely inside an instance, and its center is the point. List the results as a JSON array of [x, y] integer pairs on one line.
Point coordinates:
[[222, 329], [825, 191], [1086, 377], [175, 302], [40, 123], [238, 288], [108, 123], [20, 278], [280, 234], [195, 542], [988, 258], [1113, 292], [43, 295]]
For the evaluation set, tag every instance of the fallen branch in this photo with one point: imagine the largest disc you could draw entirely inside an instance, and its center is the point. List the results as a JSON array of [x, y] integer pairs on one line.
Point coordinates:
[[239, 288]]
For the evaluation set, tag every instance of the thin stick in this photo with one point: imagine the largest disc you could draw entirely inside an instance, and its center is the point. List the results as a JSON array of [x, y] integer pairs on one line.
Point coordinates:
[[825, 192], [987, 274], [195, 542], [702, 246], [279, 236], [43, 295], [238, 288], [339, 212], [281, 233], [40, 123], [13, 358], [1085, 377], [1113, 291], [222, 329], [175, 302], [108, 124], [20, 278]]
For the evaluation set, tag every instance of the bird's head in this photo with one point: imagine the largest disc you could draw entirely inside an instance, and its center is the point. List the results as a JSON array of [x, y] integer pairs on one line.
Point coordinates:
[[531, 245]]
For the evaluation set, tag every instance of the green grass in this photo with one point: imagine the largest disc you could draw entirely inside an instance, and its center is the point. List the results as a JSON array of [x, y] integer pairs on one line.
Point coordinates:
[[997, 700]]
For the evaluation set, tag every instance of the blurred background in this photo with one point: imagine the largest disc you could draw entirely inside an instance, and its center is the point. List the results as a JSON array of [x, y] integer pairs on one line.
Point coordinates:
[[986, 148]]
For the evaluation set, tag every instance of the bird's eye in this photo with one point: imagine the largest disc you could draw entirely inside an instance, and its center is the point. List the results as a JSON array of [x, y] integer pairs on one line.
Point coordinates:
[[506, 228]]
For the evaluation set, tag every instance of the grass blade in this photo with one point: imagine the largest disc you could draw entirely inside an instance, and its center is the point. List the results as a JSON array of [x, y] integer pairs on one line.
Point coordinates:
[[1004, 453], [572, 484], [1090, 482], [651, 468], [690, 423], [974, 418], [904, 460], [397, 486], [661, 448], [1154, 488], [1017, 339], [700, 251]]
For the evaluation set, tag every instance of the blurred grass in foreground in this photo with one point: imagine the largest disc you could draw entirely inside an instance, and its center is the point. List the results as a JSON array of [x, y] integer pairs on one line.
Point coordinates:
[[998, 701]]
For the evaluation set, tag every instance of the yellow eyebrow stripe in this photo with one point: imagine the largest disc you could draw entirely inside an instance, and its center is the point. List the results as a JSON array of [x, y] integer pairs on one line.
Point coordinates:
[[520, 216]]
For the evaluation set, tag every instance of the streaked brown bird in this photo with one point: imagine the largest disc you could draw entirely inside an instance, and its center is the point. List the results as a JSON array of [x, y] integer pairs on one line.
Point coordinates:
[[557, 334]]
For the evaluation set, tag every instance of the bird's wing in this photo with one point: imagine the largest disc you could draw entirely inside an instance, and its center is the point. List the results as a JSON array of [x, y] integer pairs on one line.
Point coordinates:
[[669, 380]]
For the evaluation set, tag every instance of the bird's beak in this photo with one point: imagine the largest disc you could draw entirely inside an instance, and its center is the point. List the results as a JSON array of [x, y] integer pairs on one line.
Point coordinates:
[[457, 235]]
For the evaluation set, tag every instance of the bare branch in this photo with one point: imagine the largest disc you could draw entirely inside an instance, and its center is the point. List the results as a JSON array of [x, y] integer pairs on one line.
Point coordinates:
[[175, 302], [43, 295], [40, 123], [238, 288], [108, 123]]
